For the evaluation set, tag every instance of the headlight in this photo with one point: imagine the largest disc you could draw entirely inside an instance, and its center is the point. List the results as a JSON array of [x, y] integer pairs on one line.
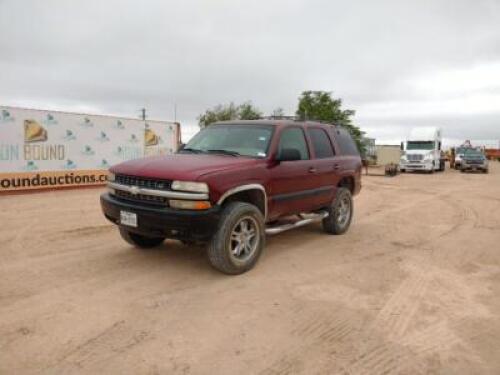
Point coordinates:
[[111, 176], [195, 187], [189, 205]]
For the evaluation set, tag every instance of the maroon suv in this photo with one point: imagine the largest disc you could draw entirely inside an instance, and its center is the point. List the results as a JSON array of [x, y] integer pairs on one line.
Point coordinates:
[[235, 182]]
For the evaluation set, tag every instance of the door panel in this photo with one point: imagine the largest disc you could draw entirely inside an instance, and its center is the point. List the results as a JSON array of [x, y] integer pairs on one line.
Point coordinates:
[[293, 182], [292, 190], [325, 163]]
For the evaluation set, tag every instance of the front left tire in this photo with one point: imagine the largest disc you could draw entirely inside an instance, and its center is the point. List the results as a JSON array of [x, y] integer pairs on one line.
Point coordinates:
[[239, 240]]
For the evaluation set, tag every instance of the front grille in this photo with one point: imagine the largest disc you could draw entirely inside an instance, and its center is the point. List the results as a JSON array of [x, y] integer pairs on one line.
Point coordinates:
[[143, 182], [143, 198], [474, 161], [415, 157]]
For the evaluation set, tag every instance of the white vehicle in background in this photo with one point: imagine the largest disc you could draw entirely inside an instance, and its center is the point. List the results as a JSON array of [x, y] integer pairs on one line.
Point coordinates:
[[422, 151]]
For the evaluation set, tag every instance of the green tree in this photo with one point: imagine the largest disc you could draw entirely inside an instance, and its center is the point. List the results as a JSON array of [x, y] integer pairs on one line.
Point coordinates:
[[247, 111], [320, 106], [227, 112]]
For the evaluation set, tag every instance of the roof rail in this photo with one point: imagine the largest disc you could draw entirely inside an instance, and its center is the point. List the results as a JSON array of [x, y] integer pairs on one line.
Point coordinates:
[[271, 117]]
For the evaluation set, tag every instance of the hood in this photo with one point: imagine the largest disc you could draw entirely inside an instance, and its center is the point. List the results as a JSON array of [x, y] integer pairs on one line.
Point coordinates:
[[187, 167]]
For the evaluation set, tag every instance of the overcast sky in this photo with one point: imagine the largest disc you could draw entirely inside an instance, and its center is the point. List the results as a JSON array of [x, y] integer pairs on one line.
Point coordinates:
[[397, 63]]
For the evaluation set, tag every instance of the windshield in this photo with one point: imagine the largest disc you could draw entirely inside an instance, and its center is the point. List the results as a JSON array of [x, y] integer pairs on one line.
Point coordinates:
[[420, 145], [246, 140]]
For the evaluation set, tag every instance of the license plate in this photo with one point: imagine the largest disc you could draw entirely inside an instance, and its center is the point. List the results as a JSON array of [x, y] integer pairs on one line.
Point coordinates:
[[128, 218]]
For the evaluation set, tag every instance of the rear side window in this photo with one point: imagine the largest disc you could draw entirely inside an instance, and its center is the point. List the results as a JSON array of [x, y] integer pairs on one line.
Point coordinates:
[[321, 143], [345, 142], [294, 138]]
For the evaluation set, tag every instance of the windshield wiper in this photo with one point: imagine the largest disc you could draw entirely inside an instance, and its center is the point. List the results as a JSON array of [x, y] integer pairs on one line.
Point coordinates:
[[193, 150], [225, 152]]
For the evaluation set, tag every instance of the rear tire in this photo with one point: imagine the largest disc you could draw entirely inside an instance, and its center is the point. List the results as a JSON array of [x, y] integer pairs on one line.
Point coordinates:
[[239, 241], [140, 241], [340, 213]]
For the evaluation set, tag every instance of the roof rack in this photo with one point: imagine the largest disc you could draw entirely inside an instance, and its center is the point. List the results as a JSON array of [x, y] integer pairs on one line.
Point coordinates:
[[271, 117]]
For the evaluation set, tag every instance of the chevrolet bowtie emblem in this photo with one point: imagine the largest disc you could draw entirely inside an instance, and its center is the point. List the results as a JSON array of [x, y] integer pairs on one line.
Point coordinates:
[[134, 190]]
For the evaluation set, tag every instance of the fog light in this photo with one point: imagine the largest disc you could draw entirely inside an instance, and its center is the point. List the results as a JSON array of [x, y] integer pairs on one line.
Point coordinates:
[[189, 205]]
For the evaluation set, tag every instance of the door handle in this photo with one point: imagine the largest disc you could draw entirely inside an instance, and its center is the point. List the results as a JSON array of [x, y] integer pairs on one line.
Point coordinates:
[[312, 170], [336, 166]]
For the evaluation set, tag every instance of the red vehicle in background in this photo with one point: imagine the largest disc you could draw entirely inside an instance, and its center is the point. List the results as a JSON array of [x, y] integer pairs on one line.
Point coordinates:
[[235, 182], [492, 154]]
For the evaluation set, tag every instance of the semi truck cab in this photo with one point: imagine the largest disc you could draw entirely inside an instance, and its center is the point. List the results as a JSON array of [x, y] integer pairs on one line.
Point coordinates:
[[422, 151]]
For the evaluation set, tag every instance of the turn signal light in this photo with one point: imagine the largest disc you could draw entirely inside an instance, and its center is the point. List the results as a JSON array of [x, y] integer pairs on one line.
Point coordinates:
[[189, 205]]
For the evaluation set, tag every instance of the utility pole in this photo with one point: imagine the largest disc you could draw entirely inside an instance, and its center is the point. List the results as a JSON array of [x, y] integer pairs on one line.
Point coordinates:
[[143, 114], [175, 112]]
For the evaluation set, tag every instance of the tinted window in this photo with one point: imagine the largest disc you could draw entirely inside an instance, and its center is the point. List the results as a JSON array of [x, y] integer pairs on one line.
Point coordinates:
[[321, 143], [294, 138], [345, 142]]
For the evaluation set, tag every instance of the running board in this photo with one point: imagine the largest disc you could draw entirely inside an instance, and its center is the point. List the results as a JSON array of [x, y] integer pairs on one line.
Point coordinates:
[[306, 219]]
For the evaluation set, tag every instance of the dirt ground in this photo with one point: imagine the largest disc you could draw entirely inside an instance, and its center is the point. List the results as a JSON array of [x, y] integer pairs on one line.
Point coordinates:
[[412, 288]]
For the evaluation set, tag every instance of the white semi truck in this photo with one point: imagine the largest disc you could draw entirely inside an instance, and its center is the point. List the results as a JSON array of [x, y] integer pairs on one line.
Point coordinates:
[[422, 151]]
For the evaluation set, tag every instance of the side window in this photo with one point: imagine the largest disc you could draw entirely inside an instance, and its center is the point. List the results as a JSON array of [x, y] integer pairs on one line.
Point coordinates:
[[321, 143], [345, 142], [294, 138]]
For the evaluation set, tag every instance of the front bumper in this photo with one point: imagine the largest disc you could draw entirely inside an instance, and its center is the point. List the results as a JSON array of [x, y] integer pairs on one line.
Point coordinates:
[[416, 166], [473, 167], [163, 222]]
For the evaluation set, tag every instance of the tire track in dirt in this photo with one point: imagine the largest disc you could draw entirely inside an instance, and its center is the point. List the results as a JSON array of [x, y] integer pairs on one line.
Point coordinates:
[[382, 358], [401, 307], [317, 331], [112, 341], [404, 348], [391, 324]]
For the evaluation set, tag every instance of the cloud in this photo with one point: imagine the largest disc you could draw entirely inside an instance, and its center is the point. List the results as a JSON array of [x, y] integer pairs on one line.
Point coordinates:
[[397, 63]]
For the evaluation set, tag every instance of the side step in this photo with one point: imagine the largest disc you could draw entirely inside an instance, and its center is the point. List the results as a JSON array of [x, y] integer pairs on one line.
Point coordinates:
[[304, 220]]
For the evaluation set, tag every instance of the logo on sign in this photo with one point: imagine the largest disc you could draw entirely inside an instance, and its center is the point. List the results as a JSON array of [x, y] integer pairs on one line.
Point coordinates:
[[34, 132], [69, 136], [5, 116], [50, 120], [87, 123]]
